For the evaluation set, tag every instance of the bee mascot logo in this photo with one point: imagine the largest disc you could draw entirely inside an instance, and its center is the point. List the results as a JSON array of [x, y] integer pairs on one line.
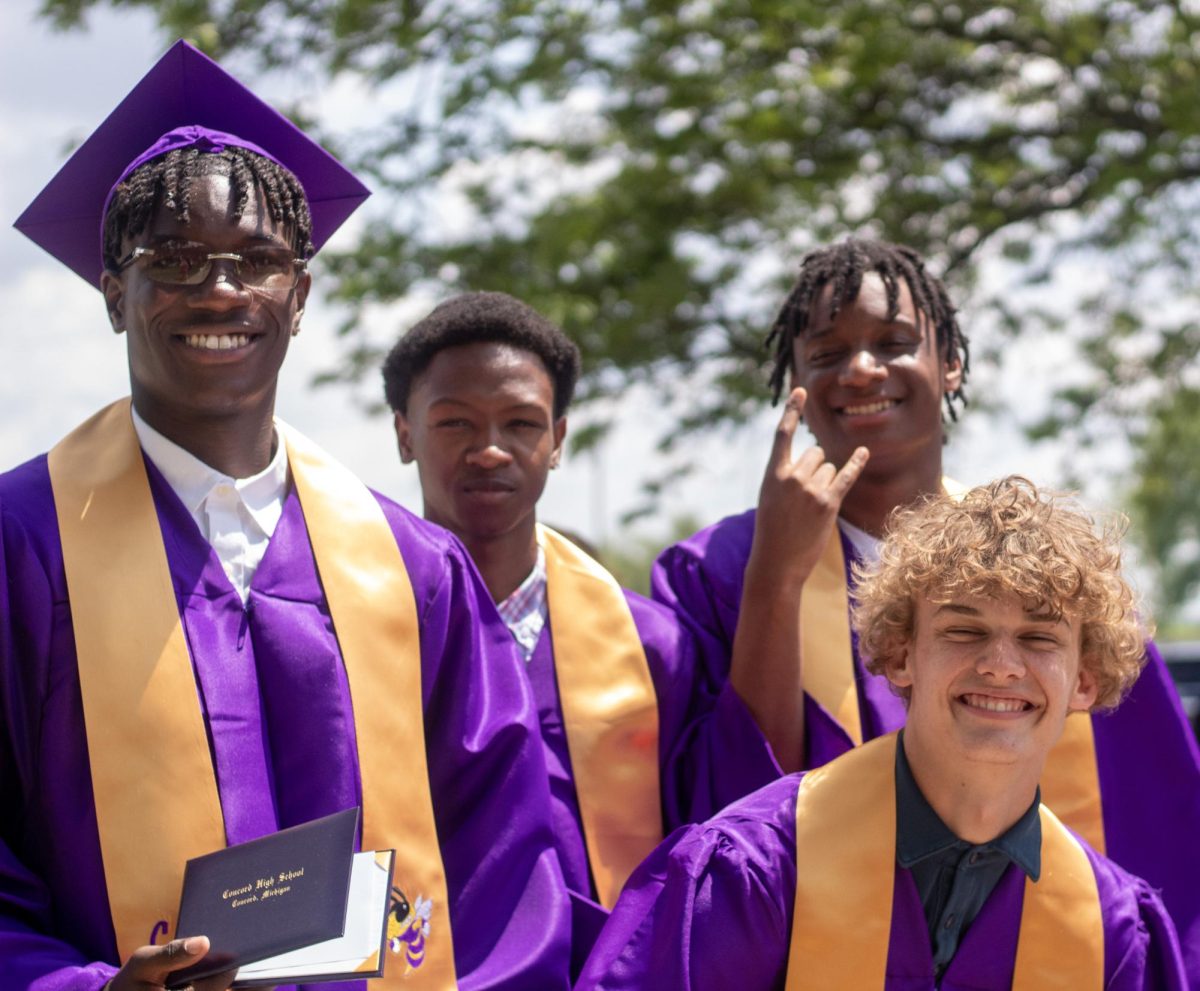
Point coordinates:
[[408, 927]]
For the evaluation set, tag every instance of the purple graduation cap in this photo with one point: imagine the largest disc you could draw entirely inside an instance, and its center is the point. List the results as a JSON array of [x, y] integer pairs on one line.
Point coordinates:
[[188, 93]]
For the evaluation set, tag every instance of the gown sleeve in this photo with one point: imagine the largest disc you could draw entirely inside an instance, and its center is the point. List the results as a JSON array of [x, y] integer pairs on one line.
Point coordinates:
[[700, 580], [711, 751], [1149, 767], [1164, 966], [710, 909], [36, 948], [1141, 948]]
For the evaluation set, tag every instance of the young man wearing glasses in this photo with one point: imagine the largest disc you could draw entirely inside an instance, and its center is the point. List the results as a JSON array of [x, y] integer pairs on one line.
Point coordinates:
[[209, 630]]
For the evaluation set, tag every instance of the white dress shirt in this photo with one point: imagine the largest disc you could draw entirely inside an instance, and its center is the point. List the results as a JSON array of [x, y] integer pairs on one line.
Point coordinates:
[[236, 515], [865, 543]]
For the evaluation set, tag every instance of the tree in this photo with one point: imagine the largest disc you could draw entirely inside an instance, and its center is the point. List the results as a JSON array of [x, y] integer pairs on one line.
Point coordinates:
[[631, 560], [647, 172]]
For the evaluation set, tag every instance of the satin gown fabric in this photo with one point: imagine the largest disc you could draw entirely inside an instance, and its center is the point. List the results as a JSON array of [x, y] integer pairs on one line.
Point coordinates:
[[275, 699], [711, 909], [704, 747], [1147, 754]]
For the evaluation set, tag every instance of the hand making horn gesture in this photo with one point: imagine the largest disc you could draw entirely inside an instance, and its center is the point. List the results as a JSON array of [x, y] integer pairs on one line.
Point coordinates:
[[798, 502], [797, 508]]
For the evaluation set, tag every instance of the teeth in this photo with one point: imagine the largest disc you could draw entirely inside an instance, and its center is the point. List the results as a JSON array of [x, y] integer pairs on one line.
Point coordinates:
[[878, 407], [217, 342], [994, 704]]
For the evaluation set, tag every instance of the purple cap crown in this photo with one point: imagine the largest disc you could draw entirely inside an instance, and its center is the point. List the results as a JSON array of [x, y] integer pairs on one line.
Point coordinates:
[[185, 100], [192, 136]]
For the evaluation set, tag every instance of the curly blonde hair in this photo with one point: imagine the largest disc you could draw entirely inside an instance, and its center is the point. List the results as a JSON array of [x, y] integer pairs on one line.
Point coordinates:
[[1005, 538]]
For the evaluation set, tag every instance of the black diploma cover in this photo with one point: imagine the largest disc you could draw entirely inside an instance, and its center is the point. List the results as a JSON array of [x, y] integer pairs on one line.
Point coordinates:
[[277, 893]]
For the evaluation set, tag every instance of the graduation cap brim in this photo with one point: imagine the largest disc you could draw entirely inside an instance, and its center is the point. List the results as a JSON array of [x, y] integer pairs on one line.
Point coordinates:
[[184, 87]]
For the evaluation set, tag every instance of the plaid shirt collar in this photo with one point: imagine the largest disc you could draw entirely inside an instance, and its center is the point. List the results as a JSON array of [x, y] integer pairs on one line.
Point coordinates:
[[524, 612]]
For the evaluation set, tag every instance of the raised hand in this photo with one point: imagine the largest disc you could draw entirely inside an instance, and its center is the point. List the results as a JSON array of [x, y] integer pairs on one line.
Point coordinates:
[[798, 503], [797, 510]]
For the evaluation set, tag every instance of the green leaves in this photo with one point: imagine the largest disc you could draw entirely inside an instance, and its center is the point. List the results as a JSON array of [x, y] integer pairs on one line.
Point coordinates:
[[645, 172], [1164, 503]]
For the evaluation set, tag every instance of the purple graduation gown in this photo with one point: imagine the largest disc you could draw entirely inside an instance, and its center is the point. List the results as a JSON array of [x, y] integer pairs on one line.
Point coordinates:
[[1148, 759], [701, 749], [275, 698], [712, 907]]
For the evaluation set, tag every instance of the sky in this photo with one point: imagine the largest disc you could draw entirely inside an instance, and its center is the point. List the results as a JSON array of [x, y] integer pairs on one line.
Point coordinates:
[[63, 362]]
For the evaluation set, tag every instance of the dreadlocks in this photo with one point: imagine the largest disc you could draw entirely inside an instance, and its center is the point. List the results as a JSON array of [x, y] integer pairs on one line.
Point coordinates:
[[842, 267], [166, 181]]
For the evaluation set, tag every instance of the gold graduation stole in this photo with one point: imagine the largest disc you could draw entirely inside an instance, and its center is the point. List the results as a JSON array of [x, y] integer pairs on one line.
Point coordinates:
[[155, 791], [1071, 780], [828, 674], [610, 713], [845, 871]]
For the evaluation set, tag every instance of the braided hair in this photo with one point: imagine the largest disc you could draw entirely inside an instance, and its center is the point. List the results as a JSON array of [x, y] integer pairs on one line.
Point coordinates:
[[167, 182], [842, 267]]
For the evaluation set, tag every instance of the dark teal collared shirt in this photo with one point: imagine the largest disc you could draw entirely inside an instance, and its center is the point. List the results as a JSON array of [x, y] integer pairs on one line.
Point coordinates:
[[954, 877]]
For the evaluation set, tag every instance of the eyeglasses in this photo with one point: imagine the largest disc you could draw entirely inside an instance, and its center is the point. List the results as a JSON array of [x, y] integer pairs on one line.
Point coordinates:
[[189, 265]]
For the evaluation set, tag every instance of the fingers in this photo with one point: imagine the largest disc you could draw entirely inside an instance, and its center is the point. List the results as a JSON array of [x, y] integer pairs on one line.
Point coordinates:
[[809, 462], [823, 478], [820, 477], [148, 966], [849, 473], [793, 412]]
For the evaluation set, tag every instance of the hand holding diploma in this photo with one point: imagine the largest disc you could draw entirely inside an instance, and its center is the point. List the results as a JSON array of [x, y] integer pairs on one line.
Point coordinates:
[[150, 966]]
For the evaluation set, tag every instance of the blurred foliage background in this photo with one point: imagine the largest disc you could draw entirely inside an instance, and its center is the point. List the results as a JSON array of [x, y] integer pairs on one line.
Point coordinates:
[[648, 174]]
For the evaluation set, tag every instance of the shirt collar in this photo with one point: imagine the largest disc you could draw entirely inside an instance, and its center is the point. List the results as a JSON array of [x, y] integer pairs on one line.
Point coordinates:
[[524, 609], [920, 832], [192, 480], [525, 596], [866, 545]]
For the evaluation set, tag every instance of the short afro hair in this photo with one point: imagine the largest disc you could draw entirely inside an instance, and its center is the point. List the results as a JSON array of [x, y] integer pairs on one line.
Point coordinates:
[[167, 181], [474, 318], [841, 267], [1005, 538]]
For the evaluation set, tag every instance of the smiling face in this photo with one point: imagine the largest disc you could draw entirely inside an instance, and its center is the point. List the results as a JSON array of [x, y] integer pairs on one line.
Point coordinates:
[[480, 425], [213, 349], [873, 381], [990, 680]]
